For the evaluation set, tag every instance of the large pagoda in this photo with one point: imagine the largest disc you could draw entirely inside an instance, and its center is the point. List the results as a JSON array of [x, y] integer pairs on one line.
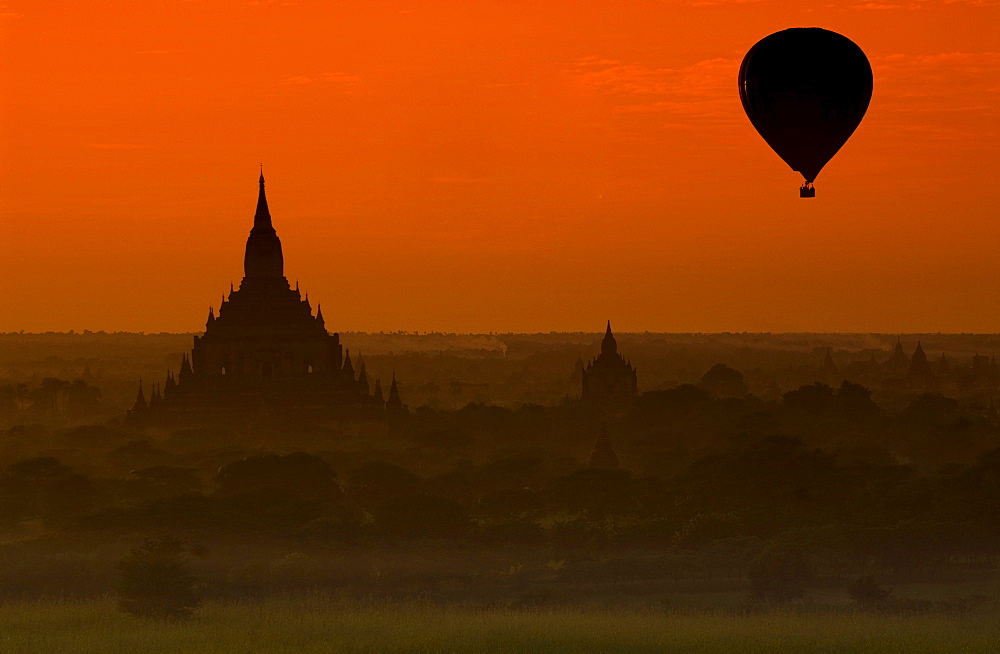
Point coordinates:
[[609, 380], [265, 348]]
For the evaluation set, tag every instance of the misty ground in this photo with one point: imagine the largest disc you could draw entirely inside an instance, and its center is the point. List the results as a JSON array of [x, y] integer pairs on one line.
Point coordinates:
[[800, 494], [321, 624]]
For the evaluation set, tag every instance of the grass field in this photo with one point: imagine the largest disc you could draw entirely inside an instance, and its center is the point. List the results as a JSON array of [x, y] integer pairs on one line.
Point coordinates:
[[318, 624]]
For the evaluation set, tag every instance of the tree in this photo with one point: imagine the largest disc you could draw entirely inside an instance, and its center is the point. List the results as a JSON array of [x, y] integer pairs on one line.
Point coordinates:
[[867, 593], [598, 493], [855, 401], [43, 487], [812, 398], [659, 407], [931, 408], [155, 581], [779, 574], [723, 381], [421, 516], [377, 481], [297, 473]]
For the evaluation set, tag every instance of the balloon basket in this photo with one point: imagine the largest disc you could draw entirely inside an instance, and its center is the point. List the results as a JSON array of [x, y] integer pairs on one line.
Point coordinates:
[[807, 192]]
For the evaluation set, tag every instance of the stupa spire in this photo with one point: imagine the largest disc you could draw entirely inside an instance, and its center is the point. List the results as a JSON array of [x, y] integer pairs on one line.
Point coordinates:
[[263, 256], [609, 345], [348, 369], [262, 216], [140, 397], [394, 403], [604, 455]]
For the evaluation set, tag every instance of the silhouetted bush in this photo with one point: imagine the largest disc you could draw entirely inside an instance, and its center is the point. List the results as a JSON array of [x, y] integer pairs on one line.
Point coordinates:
[[657, 407], [723, 381], [866, 592], [297, 473], [812, 398], [779, 574], [138, 454], [377, 481], [155, 582], [421, 516], [931, 407], [855, 401]]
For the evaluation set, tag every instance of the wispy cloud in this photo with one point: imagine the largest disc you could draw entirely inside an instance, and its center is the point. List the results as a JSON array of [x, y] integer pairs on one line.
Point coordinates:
[[6, 12], [941, 94], [713, 3], [119, 146], [705, 89], [340, 78], [918, 4], [881, 6], [459, 180], [501, 85], [345, 82], [944, 77]]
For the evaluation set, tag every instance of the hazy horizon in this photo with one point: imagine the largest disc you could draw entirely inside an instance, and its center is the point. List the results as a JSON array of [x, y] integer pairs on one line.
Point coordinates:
[[589, 332]]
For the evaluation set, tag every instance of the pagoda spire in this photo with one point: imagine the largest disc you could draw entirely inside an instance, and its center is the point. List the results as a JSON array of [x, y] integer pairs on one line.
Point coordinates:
[[362, 376], [136, 414], [186, 370], [918, 363], [609, 345], [140, 398], [262, 218], [829, 366], [263, 256], [604, 455], [348, 369], [394, 403]]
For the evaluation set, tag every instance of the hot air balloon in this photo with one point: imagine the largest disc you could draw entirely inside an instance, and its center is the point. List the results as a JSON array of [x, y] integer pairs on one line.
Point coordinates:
[[805, 90]]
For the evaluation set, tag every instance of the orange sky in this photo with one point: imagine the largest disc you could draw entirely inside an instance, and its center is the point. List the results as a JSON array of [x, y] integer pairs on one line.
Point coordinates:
[[478, 166]]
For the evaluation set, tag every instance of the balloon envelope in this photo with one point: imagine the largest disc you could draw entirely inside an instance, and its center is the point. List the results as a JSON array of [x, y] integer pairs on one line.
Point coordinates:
[[805, 90]]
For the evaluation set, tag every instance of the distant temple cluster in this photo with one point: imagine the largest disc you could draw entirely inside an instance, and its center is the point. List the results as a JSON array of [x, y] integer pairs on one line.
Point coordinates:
[[265, 350], [901, 373]]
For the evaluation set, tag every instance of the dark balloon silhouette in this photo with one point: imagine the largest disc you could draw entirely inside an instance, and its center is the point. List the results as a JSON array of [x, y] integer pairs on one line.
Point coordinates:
[[805, 90]]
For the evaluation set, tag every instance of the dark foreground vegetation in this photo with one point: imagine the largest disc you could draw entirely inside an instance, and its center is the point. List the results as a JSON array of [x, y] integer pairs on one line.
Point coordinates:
[[320, 624], [834, 515], [497, 507]]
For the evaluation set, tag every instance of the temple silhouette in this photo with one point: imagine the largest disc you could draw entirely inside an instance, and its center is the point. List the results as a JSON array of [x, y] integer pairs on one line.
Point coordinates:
[[609, 381], [266, 354]]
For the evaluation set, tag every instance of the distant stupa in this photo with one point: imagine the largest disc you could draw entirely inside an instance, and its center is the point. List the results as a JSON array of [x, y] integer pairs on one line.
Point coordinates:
[[603, 457], [609, 381], [898, 364], [919, 367]]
